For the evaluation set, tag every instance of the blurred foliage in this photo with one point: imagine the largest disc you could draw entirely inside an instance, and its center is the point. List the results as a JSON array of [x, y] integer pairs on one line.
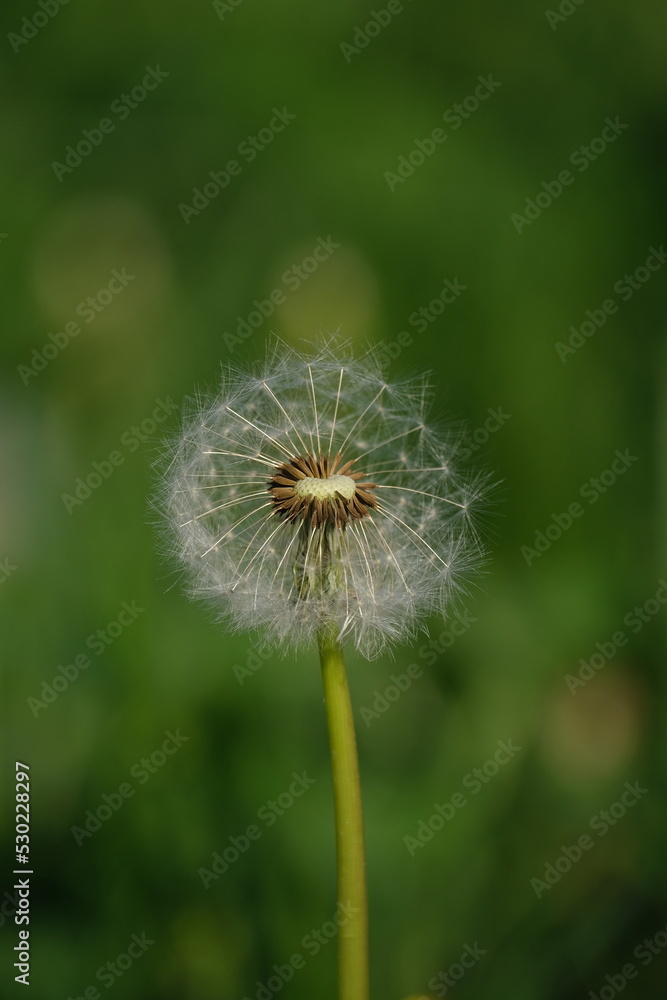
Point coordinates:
[[166, 333]]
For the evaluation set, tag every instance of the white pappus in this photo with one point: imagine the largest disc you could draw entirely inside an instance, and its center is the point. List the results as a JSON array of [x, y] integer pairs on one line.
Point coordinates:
[[310, 494]]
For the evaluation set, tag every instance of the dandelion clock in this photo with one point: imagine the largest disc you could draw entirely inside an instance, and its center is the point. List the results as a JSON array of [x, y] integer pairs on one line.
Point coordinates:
[[312, 501]]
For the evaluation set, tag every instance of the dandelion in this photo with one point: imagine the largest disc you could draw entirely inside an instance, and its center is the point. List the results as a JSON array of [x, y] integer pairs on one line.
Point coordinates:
[[311, 500], [311, 495]]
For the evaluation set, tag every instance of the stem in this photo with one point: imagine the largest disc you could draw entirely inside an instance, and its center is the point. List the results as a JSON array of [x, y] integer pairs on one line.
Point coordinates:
[[353, 933]]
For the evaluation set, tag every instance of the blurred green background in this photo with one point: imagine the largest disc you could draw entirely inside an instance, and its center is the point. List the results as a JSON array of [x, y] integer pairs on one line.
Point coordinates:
[[219, 71]]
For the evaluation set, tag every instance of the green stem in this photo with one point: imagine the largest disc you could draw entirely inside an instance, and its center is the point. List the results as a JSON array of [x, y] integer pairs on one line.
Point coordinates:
[[353, 933]]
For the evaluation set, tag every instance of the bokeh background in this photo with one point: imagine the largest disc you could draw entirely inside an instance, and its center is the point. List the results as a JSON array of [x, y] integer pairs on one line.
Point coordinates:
[[117, 388]]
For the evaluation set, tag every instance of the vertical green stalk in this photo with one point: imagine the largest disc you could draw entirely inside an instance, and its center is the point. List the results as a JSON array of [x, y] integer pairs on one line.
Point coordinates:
[[351, 860]]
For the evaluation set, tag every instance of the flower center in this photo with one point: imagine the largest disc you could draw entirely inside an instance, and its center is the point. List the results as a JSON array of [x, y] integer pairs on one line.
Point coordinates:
[[326, 489], [320, 489]]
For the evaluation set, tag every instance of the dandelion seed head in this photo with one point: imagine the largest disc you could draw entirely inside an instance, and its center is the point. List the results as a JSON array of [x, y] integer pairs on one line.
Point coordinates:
[[312, 494]]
